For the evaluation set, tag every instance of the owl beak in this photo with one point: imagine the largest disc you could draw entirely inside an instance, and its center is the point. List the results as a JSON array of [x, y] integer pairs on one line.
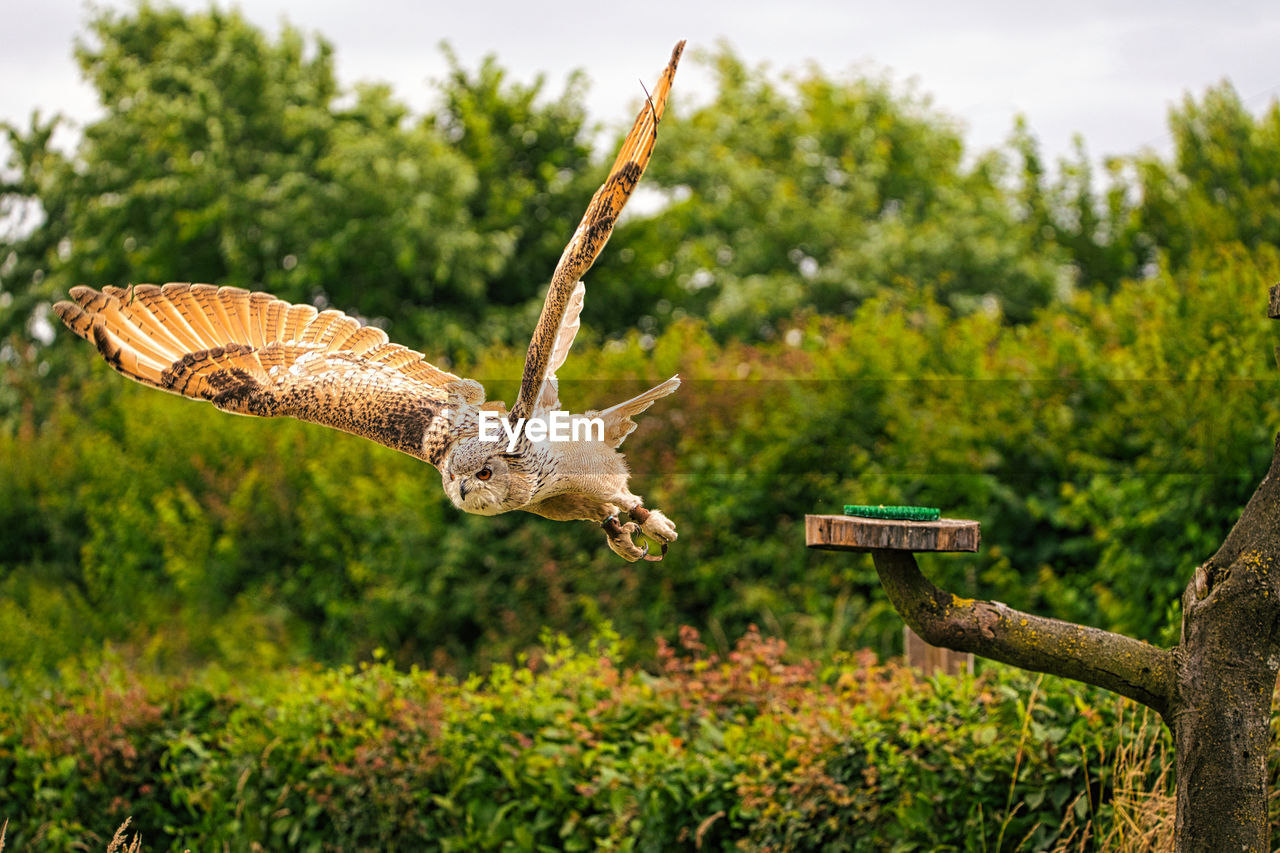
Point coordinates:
[[462, 489]]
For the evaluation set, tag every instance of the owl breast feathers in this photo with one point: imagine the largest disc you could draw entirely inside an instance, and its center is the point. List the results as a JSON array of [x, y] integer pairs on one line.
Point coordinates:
[[253, 354]]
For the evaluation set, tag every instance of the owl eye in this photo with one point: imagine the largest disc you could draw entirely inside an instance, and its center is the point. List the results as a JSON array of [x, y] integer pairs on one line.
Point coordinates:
[[484, 474]]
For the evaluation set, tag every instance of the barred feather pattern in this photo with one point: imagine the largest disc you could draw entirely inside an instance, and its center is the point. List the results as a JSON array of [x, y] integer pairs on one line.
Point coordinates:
[[253, 354], [558, 321]]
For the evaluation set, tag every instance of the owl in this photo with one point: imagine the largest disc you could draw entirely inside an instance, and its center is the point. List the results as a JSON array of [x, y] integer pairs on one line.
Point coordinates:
[[252, 354]]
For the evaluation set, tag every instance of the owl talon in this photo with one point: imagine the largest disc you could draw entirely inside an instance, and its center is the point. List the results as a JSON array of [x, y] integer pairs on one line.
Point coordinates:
[[652, 524], [655, 526], [619, 539]]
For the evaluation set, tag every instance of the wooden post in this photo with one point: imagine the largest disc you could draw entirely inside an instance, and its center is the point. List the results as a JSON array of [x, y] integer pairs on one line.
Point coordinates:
[[868, 535], [930, 659]]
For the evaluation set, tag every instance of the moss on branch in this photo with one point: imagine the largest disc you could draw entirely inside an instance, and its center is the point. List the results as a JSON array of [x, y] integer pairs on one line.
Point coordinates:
[[1130, 667]]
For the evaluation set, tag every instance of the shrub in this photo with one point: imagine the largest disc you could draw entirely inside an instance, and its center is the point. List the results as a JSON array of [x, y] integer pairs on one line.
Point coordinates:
[[571, 751]]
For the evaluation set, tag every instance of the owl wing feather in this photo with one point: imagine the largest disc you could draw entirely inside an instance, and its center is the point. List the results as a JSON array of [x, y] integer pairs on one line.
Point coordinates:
[[553, 335], [252, 354], [617, 418], [549, 397]]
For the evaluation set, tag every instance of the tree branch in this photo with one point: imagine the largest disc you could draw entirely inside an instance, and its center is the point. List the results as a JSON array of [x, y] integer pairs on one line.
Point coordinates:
[[993, 630]]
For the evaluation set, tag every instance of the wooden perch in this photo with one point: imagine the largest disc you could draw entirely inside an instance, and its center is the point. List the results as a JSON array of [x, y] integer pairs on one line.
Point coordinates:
[[850, 533], [989, 628]]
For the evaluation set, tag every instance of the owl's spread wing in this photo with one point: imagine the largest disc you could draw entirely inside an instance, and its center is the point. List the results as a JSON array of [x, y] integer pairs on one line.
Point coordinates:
[[549, 397], [253, 354], [553, 335]]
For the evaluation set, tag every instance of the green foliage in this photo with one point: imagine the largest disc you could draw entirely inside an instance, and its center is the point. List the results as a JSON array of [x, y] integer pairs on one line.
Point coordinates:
[[1097, 231], [1223, 185], [861, 313], [532, 168], [819, 194], [1102, 447], [228, 158], [571, 751]]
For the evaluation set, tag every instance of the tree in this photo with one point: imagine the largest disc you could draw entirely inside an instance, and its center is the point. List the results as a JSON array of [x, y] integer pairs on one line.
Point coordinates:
[[531, 164], [230, 158], [1096, 232], [1223, 184], [818, 193], [1214, 689]]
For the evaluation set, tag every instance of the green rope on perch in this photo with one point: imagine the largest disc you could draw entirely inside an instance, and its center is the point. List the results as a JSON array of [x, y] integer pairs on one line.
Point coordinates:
[[896, 513]]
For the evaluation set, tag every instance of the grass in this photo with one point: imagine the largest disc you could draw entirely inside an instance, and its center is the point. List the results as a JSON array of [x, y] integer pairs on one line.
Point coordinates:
[[1143, 800], [119, 842]]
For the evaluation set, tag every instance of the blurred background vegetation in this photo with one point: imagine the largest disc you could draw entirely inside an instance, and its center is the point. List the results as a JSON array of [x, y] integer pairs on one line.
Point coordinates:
[[862, 310]]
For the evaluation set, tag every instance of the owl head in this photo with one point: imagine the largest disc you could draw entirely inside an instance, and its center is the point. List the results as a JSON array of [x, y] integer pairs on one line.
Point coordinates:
[[480, 478]]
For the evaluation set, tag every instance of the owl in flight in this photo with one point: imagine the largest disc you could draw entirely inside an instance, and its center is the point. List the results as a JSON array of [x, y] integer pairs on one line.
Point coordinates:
[[252, 354]]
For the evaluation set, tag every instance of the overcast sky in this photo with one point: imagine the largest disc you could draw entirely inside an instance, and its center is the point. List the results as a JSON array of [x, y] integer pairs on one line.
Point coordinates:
[[1107, 70]]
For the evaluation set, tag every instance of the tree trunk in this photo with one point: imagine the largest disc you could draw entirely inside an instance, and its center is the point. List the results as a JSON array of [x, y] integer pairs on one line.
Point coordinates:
[[1226, 675]]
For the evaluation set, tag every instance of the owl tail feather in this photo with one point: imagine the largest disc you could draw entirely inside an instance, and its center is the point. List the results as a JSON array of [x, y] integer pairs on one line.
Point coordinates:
[[617, 419]]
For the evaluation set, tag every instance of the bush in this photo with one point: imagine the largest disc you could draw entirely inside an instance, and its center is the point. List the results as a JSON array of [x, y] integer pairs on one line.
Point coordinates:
[[571, 751]]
